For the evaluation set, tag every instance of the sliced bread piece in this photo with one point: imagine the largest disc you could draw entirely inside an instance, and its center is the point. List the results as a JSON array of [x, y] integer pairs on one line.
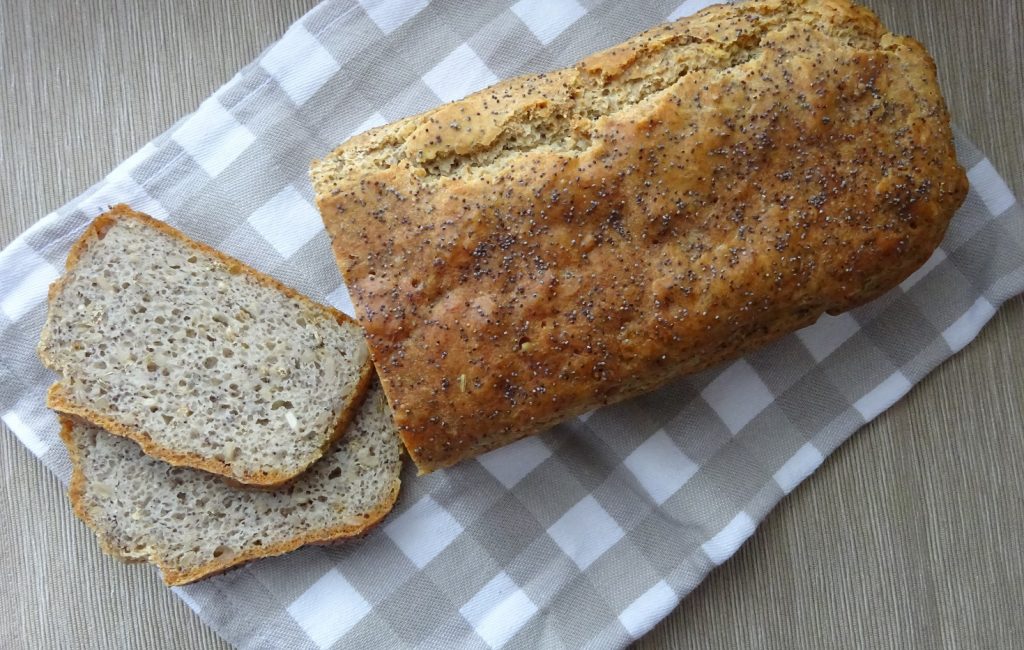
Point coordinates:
[[200, 359], [192, 524]]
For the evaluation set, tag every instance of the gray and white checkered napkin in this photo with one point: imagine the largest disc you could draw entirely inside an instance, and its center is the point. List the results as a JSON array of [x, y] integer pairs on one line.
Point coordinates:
[[591, 533]]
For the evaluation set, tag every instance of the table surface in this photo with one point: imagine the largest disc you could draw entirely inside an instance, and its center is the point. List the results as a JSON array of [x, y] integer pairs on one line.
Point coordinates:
[[909, 535]]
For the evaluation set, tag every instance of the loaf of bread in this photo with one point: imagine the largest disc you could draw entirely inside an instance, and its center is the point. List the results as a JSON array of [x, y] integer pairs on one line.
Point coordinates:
[[198, 358], [561, 241], [192, 524]]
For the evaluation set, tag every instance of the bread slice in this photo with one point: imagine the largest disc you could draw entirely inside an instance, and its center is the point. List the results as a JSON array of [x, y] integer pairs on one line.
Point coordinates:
[[192, 524], [200, 359]]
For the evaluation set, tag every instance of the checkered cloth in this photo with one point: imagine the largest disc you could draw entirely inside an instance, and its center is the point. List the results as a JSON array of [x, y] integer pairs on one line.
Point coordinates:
[[586, 535]]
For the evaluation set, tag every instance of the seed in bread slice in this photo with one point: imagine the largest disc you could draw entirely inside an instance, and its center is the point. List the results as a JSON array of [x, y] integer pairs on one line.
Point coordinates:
[[192, 524], [200, 359]]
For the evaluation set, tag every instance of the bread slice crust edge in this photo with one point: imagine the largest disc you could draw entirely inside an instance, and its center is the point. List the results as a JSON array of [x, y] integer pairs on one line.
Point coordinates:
[[175, 577]]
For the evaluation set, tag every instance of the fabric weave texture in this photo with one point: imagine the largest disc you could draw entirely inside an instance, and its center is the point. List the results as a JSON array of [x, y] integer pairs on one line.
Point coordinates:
[[587, 535]]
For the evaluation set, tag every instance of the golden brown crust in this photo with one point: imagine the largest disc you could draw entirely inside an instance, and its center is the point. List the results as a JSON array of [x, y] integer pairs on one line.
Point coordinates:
[[58, 400], [175, 577], [561, 241]]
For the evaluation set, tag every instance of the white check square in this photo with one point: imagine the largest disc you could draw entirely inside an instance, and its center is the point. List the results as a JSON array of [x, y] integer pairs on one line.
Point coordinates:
[[340, 300], [459, 74], [287, 221], [963, 331], [660, 466], [990, 186], [25, 432], [423, 531], [182, 592], [722, 546], [882, 396], [737, 395], [389, 15], [825, 336], [328, 609], [652, 606], [31, 290], [212, 137], [585, 532], [299, 64], [548, 18], [498, 610], [799, 466], [511, 463]]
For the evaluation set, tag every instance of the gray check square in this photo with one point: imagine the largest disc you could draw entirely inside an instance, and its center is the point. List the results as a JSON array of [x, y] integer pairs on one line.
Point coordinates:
[[257, 110], [467, 569], [620, 577], [618, 497], [894, 329], [350, 115], [812, 402], [550, 491], [586, 457], [579, 612], [415, 98], [245, 244], [466, 492], [949, 283], [620, 427], [541, 570], [781, 364], [660, 407], [193, 217], [51, 247], [374, 567], [698, 431], [280, 572], [771, 438], [858, 367], [466, 20], [723, 486], [307, 271], [664, 537], [416, 609], [991, 253], [357, 40], [373, 631], [381, 89], [501, 546], [178, 183], [506, 45], [961, 231]]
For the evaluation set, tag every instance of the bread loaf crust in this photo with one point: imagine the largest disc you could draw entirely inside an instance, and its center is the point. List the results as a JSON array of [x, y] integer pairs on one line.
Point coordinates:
[[561, 241], [58, 399]]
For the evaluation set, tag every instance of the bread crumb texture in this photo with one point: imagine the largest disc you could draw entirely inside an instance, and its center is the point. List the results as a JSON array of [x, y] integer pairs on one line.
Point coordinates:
[[192, 524], [565, 240], [198, 358]]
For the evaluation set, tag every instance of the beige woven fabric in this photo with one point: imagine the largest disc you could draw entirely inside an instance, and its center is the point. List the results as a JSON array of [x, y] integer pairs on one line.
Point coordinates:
[[908, 535]]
